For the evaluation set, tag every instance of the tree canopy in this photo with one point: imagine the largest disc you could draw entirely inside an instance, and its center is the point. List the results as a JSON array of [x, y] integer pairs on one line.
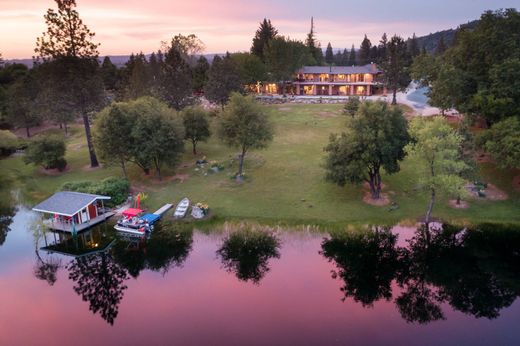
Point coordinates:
[[395, 66], [374, 138], [196, 125], [436, 145], [284, 57], [66, 34], [244, 124], [502, 141], [223, 79], [264, 34], [144, 131]]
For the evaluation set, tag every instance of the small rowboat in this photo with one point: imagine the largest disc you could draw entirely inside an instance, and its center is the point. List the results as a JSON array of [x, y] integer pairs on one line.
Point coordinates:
[[182, 208]]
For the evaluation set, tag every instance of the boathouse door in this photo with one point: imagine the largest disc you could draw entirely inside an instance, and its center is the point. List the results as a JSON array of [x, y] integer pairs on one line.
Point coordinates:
[[92, 211]]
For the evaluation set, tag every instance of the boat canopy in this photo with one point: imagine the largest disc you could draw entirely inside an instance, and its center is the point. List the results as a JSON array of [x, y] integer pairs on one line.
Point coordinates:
[[131, 212], [150, 218]]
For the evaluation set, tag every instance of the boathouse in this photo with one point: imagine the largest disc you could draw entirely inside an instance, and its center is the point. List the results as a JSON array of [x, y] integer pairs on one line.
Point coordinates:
[[72, 212]]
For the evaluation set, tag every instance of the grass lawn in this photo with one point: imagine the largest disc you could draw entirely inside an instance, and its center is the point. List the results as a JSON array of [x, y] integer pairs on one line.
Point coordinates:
[[284, 183]]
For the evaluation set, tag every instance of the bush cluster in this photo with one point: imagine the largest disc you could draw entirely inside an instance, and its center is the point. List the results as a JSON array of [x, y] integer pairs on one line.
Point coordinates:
[[116, 188], [47, 151]]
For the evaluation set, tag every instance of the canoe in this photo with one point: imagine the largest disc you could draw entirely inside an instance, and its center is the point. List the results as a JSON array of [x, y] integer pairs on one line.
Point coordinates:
[[182, 208]]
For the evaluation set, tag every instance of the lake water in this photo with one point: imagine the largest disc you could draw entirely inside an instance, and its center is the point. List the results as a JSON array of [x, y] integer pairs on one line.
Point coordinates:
[[236, 286], [419, 97]]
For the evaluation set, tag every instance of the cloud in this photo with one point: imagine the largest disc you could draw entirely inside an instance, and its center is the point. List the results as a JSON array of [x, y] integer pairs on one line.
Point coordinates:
[[229, 25]]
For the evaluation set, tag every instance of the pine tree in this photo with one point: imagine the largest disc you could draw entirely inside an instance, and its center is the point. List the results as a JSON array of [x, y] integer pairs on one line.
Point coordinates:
[[329, 54], [383, 43], [338, 58], [394, 67], [413, 46], [109, 73], [352, 57], [313, 46], [200, 74], [364, 51], [138, 79], [265, 33], [344, 58], [175, 82], [223, 79], [441, 46], [68, 42], [154, 70], [374, 54]]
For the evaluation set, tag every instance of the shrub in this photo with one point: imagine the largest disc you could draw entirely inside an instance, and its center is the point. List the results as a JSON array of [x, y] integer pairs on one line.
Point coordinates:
[[351, 106], [48, 152], [116, 188], [8, 143]]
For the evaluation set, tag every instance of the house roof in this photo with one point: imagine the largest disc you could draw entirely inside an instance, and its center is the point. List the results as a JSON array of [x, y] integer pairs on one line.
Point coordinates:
[[67, 203], [369, 68]]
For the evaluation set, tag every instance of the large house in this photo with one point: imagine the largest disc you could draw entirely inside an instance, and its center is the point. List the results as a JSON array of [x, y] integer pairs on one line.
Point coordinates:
[[364, 80]]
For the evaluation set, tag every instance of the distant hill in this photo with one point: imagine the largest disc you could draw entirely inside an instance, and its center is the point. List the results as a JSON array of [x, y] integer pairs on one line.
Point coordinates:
[[118, 60], [431, 41]]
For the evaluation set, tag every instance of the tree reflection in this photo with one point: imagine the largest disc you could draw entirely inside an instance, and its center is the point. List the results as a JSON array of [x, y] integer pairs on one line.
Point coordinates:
[[100, 281], [7, 212], [247, 252], [169, 246], [475, 271], [366, 262], [46, 270]]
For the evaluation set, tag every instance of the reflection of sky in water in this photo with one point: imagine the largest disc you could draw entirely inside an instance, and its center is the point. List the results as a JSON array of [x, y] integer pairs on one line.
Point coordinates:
[[297, 302], [418, 97]]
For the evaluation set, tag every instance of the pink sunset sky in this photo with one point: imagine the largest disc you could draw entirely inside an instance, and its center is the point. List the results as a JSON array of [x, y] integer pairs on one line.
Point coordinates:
[[125, 26]]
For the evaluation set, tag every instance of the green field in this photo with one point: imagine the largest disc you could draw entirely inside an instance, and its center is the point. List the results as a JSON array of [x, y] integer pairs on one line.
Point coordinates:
[[284, 183]]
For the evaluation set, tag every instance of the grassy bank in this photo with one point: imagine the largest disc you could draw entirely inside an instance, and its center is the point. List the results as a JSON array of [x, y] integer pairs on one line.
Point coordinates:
[[283, 183]]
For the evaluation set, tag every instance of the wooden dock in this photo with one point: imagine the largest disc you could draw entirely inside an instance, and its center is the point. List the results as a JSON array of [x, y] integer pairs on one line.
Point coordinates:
[[163, 209]]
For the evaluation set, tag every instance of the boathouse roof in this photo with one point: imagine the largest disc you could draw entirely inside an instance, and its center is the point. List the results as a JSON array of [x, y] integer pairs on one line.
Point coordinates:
[[369, 68], [67, 203]]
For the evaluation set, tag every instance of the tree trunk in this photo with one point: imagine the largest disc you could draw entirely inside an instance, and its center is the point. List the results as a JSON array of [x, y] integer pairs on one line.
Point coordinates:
[[123, 166], [458, 199], [241, 163], [394, 97], [194, 142], [375, 185], [158, 169], [430, 208], [66, 129], [146, 170], [27, 132], [378, 184], [93, 159]]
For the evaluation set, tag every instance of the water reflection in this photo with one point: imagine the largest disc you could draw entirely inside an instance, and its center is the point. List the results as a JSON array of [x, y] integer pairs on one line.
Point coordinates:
[[474, 271], [247, 252], [169, 247], [7, 212], [366, 261], [99, 280], [47, 269]]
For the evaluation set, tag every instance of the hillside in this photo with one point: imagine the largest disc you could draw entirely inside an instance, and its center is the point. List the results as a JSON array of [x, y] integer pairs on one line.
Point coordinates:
[[431, 41]]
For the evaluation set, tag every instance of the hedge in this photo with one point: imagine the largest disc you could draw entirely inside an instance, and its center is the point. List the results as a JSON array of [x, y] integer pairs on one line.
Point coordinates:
[[116, 188]]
